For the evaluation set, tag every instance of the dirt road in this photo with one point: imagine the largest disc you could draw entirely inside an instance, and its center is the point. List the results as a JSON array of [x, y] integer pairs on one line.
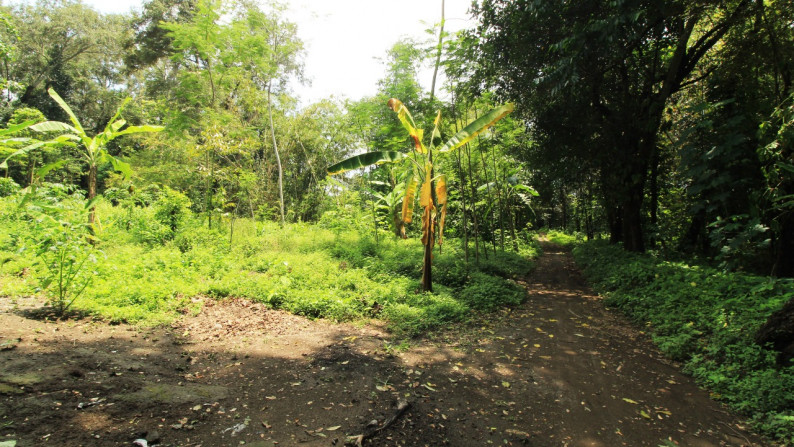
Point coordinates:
[[559, 370]]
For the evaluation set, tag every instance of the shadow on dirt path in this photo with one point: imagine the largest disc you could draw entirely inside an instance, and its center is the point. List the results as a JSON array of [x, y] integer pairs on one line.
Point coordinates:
[[559, 370]]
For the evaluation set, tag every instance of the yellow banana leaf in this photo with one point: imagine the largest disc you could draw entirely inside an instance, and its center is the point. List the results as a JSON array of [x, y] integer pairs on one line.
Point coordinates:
[[426, 201], [408, 200], [408, 122], [441, 224], [426, 194], [427, 224], [441, 196], [441, 189]]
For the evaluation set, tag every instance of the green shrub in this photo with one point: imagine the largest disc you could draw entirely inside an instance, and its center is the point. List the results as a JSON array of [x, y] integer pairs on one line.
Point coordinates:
[[8, 187], [171, 209], [485, 292], [506, 264], [421, 312]]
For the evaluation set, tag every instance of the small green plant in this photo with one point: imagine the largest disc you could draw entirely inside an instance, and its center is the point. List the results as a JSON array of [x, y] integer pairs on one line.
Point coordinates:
[[64, 250], [561, 238]]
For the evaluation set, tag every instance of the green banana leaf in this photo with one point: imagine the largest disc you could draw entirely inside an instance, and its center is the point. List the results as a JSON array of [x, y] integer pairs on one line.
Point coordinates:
[[363, 160], [14, 128], [476, 127], [72, 117], [54, 126]]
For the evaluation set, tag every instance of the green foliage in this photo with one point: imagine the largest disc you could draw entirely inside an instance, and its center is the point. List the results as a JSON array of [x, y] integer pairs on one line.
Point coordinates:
[[59, 236], [562, 238], [171, 209], [8, 187], [150, 272], [706, 318], [508, 265], [485, 292]]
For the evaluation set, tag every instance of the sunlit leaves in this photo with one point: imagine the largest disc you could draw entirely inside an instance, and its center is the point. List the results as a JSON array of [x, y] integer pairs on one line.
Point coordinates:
[[364, 160], [476, 127]]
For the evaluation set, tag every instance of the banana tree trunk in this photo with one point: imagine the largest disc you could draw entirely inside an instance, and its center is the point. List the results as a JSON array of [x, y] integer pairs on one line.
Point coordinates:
[[429, 240]]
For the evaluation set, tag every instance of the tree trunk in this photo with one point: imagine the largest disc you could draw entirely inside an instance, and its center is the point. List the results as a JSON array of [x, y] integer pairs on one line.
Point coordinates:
[[427, 264], [511, 219], [490, 199], [463, 202], [615, 222], [498, 197], [632, 223], [474, 207], [462, 177], [564, 201], [208, 188], [654, 186], [278, 157]]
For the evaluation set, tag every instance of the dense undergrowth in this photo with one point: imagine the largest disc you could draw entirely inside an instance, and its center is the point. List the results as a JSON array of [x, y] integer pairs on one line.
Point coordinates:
[[561, 238], [707, 319], [155, 258]]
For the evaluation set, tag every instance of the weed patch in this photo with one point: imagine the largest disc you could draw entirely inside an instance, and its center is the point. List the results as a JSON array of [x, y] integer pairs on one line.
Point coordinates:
[[156, 256]]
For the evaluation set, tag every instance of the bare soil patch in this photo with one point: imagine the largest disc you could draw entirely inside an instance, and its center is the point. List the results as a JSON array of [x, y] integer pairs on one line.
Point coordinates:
[[559, 370]]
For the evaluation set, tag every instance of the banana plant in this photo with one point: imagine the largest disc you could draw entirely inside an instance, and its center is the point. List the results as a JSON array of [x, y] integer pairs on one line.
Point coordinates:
[[433, 192], [94, 148]]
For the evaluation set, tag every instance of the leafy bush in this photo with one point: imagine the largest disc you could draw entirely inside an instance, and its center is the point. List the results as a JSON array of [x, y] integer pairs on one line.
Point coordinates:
[[564, 239], [706, 318], [171, 209], [486, 292], [8, 187], [506, 264]]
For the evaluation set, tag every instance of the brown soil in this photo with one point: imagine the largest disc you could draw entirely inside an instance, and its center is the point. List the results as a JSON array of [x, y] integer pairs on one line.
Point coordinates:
[[560, 370]]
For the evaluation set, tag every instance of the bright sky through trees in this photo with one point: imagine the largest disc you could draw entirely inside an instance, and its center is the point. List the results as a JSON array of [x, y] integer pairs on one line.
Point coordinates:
[[345, 39]]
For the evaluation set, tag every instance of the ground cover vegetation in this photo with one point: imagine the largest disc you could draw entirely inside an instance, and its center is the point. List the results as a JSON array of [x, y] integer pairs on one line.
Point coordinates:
[[662, 127], [153, 261], [709, 320]]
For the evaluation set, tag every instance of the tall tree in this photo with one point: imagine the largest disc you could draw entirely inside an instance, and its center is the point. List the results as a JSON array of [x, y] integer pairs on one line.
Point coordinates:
[[616, 63], [69, 46], [151, 41]]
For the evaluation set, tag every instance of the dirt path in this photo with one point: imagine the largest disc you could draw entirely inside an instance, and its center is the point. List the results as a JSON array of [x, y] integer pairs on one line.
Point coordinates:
[[559, 370]]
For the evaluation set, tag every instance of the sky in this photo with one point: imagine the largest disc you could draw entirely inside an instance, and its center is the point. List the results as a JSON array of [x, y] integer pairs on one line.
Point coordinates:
[[346, 40]]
